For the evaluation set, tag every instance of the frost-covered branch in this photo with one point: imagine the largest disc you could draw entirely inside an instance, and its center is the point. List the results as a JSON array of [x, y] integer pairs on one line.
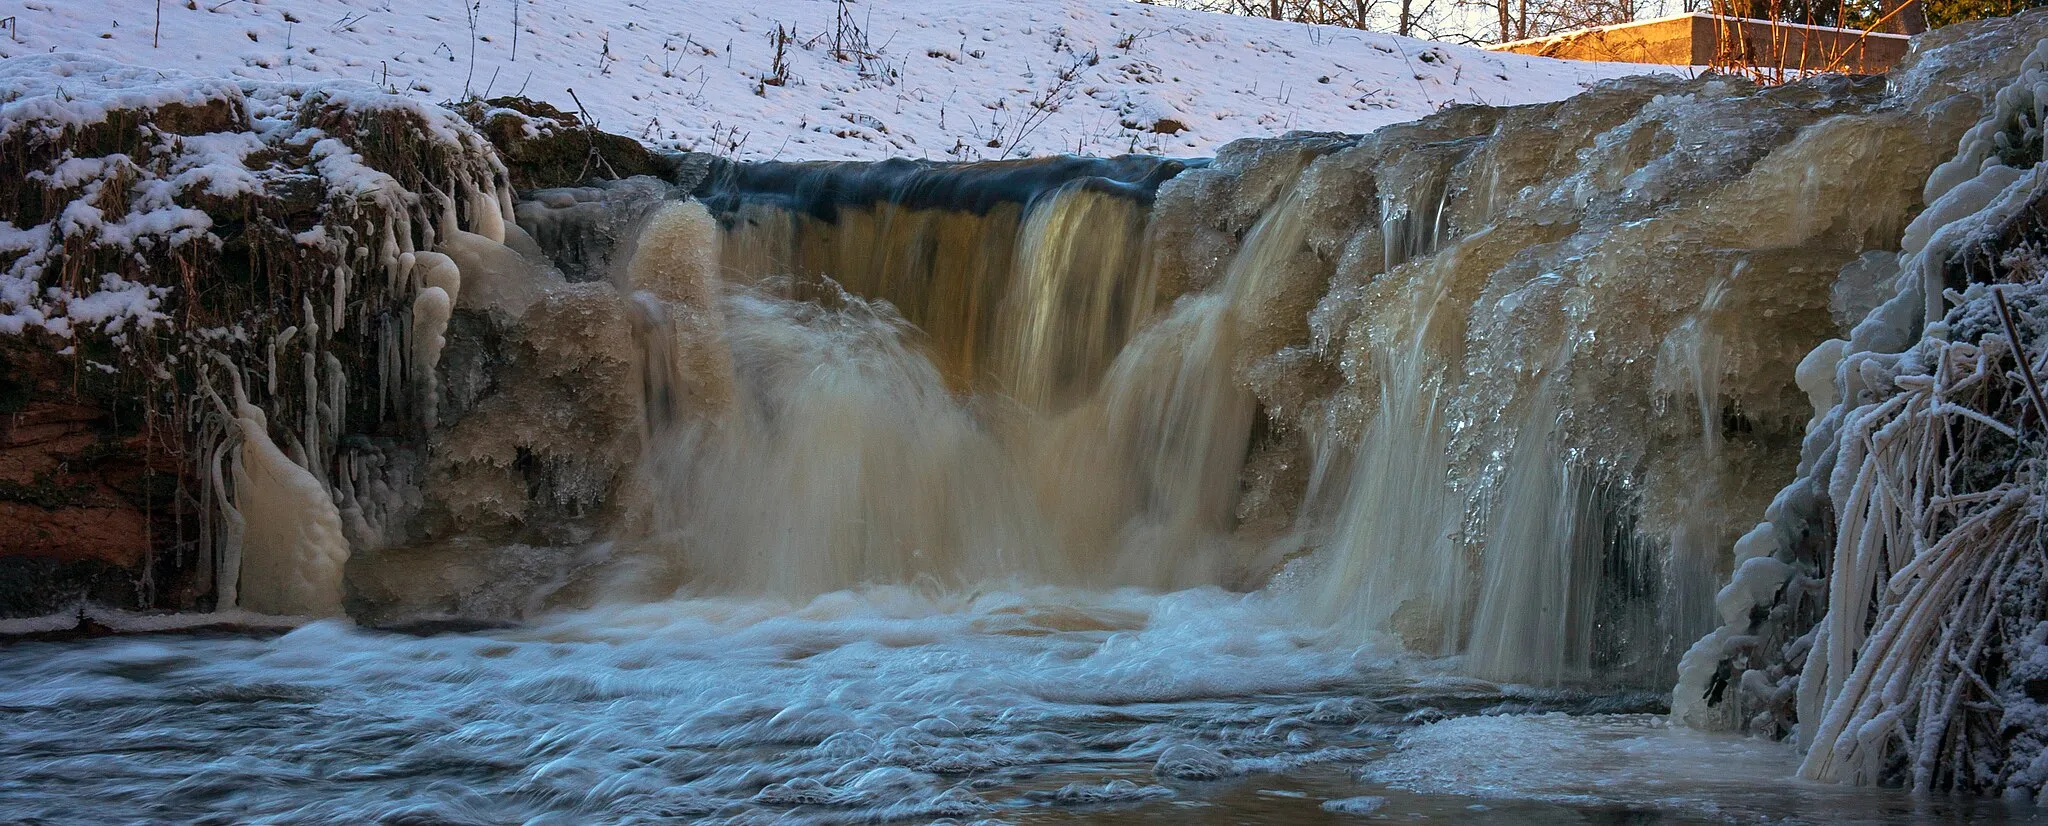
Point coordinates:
[[1920, 504]]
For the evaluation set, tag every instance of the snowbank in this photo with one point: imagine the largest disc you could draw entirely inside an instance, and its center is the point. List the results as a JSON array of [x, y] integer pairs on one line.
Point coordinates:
[[917, 78]]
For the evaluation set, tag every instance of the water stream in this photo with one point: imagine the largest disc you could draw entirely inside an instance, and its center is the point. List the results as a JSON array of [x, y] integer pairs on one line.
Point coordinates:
[[1338, 478], [1035, 705]]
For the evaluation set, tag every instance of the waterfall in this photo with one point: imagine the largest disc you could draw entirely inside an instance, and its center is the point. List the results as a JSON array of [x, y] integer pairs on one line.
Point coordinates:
[[821, 476], [856, 449], [1504, 385], [987, 260], [1391, 560], [1489, 387], [1077, 292]]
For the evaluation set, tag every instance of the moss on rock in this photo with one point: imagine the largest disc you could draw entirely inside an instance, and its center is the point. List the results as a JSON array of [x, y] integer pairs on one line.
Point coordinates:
[[545, 147]]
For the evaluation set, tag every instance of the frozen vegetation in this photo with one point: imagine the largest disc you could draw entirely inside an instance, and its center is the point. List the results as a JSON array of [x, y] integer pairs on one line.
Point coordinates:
[[1914, 530]]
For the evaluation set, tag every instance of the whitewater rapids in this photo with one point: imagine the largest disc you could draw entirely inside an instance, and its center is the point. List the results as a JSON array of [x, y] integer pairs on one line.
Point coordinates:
[[886, 704]]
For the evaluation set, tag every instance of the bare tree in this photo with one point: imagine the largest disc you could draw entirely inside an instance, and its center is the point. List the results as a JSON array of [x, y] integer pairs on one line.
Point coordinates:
[[1356, 14], [1433, 19], [1524, 19]]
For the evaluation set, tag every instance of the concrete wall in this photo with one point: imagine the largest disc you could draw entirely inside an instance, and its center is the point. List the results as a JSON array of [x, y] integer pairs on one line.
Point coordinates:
[[1711, 40]]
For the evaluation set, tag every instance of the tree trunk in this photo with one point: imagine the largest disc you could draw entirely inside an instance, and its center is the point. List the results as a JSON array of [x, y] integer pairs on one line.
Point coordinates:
[[1904, 17]]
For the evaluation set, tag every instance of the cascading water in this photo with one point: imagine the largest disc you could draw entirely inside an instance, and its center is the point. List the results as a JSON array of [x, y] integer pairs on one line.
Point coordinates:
[[869, 492], [1529, 420], [847, 456], [1555, 405], [1490, 387]]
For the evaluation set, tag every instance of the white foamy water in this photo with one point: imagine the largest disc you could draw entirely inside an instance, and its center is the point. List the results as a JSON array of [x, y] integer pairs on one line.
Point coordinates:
[[880, 705]]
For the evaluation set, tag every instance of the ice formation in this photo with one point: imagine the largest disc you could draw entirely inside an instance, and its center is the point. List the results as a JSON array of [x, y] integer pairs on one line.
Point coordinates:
[[1530, 408], [292, 548], [1882, 612], [210, 236], [440, 286]]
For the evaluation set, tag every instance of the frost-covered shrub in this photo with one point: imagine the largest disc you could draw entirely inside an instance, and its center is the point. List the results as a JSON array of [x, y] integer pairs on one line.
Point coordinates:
[[1889, 614]]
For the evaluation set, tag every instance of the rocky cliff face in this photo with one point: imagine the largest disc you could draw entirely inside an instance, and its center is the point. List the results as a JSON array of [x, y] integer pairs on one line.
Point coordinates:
[[80, 501], [173, 245]]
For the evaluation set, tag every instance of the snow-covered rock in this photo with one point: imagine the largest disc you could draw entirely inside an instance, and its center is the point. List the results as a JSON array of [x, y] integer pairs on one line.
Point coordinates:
[[172, 243]]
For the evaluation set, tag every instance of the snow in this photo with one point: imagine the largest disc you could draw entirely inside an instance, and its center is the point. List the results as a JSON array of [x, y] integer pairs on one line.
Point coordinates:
[[64, 90], [46, 97], [133, 622], [961, 79]]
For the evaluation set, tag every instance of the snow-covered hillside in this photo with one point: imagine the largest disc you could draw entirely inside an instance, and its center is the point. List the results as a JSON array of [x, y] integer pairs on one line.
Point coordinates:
[[762, 79]]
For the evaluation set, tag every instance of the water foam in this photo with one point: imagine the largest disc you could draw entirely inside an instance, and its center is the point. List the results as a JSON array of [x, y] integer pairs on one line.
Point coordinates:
[[890, 704], [885, 703]]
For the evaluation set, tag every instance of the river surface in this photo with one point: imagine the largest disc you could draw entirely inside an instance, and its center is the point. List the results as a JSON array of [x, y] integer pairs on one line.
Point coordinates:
[[1029, 706]]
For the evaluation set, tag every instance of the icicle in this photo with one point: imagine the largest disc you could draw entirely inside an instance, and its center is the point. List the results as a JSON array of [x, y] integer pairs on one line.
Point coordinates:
[[440, 286], [349, 502], [337, 392], [336, 317], [434, 269], [485, 211], [335, 410], [294, 548], [229, 540], [501, 189], [389, 254], [449, 221], [430, 312], [311, 432], [234, 527], [432, 222], [281, 341], [404, 230]]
